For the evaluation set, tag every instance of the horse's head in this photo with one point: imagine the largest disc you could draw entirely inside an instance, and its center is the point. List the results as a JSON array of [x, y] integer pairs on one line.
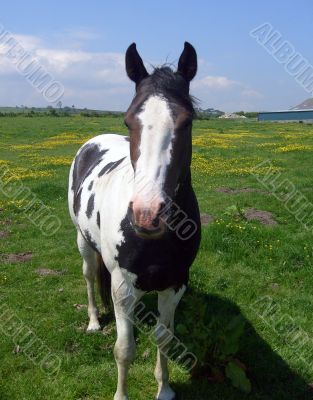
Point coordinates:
[[159, 120]]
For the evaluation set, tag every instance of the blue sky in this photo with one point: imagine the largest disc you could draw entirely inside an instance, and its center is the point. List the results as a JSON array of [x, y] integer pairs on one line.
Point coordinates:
[[82, 45]]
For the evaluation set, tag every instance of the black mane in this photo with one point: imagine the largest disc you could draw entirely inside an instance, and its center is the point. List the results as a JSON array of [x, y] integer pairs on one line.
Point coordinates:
[[168, 84]]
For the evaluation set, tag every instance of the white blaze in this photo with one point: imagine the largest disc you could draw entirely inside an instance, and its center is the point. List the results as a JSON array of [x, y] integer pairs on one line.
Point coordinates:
[[155, 146]]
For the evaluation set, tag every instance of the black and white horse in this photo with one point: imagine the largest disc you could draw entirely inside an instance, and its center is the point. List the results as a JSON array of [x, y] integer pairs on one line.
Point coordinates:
[[134, 208]]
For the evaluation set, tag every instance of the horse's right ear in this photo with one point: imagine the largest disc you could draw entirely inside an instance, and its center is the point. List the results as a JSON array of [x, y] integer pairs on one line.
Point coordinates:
[[187, 64], [135, 68]]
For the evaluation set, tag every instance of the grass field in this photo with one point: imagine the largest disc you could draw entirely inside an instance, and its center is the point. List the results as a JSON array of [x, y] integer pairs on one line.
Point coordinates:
[[262, 272]]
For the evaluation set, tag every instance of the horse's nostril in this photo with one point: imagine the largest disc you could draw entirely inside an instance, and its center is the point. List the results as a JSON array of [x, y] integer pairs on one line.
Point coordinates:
[[156, 222], [130, 213], [161, 208]]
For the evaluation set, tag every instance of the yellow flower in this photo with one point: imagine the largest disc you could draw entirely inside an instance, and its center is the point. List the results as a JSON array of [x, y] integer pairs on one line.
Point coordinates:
[[54, 141], [293, 147], [20, 173], [227, 166], [38, 160], [210, 142]]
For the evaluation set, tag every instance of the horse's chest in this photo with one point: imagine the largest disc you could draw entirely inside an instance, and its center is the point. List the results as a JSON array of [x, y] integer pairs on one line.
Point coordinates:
[[157, 264]]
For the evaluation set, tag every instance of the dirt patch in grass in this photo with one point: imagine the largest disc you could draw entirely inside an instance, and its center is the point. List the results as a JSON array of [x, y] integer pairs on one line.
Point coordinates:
[[4, 234], [16, 257], [265, 217], [5, 222], [206, 219], [79, 306], [228, 190], [49, 272]]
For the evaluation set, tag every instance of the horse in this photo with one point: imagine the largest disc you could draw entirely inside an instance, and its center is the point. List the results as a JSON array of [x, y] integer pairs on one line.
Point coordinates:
[[135, 211]]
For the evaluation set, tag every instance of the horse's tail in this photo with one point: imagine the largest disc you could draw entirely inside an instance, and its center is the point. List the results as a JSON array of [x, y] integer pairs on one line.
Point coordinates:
[[104, 283]]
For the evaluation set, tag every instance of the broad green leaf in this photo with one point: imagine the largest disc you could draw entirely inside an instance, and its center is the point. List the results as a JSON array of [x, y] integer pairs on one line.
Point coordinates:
[[238, 377]]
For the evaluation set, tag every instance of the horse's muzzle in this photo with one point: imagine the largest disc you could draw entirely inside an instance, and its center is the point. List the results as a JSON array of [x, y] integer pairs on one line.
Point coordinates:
[[146, 224]]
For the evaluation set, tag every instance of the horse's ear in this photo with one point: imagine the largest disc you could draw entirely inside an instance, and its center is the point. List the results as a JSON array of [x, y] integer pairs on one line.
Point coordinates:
[[187, 64], [135, 68]]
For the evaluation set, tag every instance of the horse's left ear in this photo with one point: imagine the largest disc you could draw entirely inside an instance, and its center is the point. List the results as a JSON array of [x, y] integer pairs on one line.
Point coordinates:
[[135, 68], [187, 64]]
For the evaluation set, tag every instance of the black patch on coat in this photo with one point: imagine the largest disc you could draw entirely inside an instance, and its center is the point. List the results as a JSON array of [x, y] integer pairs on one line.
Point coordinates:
[[90, 240], [110, 166], [88, 158], [77, 201], [106, 168], [98, 219], [90, 205], [161, 263], [126, 138], [90, 185]]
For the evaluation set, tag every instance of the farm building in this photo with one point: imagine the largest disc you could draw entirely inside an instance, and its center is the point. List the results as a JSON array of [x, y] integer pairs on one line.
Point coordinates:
[[289, 115]]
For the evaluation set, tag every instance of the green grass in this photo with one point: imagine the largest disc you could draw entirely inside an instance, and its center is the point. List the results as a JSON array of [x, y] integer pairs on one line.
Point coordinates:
[[239, 263]]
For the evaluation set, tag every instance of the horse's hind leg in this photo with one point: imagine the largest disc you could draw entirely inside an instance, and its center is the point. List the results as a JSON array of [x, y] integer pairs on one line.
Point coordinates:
[[90, 271], [167, 303]]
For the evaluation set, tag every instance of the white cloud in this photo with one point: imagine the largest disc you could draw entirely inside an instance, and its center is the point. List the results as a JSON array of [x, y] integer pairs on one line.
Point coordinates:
[[214, 82], [29, 42], [252, 93], [60, 60], [98, 79], [74, 38], [88, 77], [83, 34], [222, 92]]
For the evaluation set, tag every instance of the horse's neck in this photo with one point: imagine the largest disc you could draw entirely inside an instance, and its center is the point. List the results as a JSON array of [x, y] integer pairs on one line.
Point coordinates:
[[185, 187]]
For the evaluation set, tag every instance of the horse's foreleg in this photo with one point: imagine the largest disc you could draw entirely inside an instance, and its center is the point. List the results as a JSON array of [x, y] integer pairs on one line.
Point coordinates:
[[124, 299], [167, 303], [89, 271]]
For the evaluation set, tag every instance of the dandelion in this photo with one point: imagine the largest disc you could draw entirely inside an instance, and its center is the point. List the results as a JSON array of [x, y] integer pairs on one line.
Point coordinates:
[[228, 167], [21, 173], [54, 141], [293, 147], [39, 160]]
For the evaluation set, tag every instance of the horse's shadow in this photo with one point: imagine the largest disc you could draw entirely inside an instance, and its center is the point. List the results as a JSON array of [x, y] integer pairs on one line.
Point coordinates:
[[271, 377]]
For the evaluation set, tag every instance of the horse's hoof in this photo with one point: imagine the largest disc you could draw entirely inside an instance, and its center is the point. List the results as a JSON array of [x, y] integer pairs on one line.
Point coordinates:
[[93, 327], [167, 396]]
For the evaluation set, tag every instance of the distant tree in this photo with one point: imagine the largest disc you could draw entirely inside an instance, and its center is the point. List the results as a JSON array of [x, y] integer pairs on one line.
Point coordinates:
[[59, 104], [251, 114], [53, 113]]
